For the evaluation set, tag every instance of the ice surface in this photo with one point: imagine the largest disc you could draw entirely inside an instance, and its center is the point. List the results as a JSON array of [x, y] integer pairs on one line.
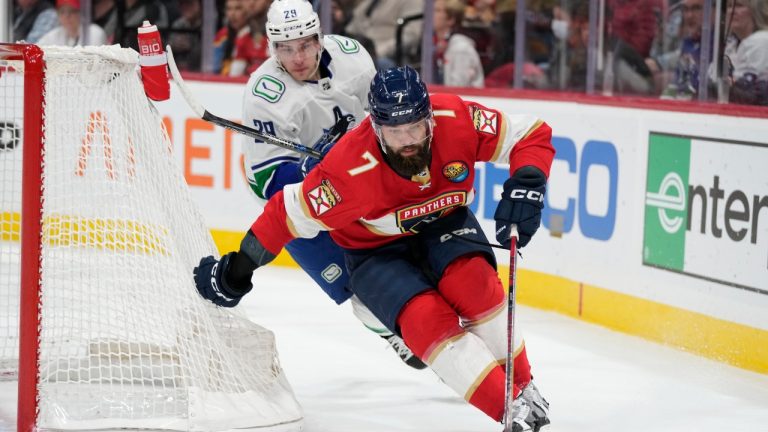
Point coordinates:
[[349, 380]]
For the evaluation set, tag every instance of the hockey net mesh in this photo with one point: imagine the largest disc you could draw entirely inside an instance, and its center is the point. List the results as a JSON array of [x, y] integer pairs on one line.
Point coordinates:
[[125, 340]]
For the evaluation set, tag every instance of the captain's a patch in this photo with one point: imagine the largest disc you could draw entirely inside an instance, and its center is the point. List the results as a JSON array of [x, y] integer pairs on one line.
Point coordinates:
[[485, 121], [323, 197]]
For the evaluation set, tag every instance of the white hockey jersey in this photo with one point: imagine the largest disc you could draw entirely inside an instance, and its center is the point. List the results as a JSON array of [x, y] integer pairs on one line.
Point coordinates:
[[301, 111]]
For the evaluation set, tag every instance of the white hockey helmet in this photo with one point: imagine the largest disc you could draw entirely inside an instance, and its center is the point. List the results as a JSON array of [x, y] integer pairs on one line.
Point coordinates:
[[292, 19]]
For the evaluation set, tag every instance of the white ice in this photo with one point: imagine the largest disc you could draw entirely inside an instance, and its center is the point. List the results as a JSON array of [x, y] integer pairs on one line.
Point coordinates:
[[349, 380]]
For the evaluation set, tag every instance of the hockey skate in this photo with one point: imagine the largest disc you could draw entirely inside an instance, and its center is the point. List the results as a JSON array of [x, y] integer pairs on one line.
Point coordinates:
[[405, 353], [531, 411], [539, 406]]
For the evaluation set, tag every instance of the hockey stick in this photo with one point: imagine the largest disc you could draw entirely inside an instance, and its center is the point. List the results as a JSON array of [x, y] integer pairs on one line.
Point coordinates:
[[509, 413], [201, 112]]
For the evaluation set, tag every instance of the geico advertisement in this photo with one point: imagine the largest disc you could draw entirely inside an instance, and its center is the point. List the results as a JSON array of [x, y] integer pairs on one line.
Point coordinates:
[[704, 203]]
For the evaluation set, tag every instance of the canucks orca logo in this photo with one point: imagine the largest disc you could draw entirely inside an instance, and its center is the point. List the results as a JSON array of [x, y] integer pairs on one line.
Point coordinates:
[[456, 171], [340, 121]]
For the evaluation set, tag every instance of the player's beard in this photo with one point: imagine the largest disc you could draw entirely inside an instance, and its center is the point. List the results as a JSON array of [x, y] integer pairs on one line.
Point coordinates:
[[409, 166]]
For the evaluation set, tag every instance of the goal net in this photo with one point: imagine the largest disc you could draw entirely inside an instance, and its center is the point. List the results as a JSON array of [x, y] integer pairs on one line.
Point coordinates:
[[113, 333]]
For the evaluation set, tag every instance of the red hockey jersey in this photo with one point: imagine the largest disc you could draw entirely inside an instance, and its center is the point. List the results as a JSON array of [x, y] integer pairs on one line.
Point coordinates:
[[365, 204]]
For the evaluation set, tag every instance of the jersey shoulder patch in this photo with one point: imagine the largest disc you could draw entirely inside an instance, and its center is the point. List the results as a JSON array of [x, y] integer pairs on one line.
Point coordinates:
[[346, 45], [485, 121], [269, 88], [324, 197]]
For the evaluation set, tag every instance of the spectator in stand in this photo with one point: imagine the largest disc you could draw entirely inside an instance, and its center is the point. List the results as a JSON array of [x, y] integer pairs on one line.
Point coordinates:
[[251, 48], [568, 66], [669, 34], [632, 28], [747, 51], [480, 13], [636, 22], [68, 32], [624, 71], [538, 36], [341, 15], [479, 25], [185, 35], [105, 16], [682, 63], [456, 60], [377, 21], [34, 18], [136, 12], [224, 42]]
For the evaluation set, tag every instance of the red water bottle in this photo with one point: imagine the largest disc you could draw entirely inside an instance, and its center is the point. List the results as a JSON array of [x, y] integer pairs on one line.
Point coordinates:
[[154, 64]]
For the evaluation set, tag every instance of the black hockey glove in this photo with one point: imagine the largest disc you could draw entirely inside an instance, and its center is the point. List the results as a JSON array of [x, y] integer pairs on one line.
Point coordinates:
[[326, 143], [212, 284], [521, 204]]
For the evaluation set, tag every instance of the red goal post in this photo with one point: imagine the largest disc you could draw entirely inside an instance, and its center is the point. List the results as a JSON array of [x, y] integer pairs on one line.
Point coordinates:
[[98, 238]]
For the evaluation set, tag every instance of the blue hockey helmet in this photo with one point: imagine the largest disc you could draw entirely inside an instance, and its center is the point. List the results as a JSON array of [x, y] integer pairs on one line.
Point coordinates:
[[398, 96]]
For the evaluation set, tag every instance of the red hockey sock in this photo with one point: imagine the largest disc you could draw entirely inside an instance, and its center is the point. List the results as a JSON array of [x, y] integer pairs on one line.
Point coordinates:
[[489, 395], [522, 372]]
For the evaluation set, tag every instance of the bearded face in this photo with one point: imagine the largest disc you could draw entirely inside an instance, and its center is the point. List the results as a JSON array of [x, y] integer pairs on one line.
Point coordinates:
[[408, 146], [410, 160]]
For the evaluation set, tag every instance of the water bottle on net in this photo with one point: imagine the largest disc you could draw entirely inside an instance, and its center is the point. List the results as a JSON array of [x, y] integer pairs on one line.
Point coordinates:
[[153, 62]]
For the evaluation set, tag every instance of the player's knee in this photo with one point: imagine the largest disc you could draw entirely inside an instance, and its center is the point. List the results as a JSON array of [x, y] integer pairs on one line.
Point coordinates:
[[426, 321], [471, 286]]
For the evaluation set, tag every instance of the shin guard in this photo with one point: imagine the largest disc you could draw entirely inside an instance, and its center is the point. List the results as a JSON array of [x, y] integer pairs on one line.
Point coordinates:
[[472, 287], [431, 328]]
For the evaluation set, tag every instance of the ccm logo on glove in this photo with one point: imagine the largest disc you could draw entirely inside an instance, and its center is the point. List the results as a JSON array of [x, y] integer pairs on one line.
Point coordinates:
[[520, 205], [527, 194], [214, 271]]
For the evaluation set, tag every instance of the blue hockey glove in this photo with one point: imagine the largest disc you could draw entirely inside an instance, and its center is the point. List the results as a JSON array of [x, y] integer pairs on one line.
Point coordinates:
[[521, 204], [212, 284], [326, 143]]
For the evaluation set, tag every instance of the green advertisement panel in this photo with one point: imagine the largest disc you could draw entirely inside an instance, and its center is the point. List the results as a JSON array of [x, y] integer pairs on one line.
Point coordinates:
[[665, 201]]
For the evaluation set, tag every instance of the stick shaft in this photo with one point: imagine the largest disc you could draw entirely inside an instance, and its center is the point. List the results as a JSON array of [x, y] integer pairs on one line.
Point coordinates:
[[509, 395], [201, 112]]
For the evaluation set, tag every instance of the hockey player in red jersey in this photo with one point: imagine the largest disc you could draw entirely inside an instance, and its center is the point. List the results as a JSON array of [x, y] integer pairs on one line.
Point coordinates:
[[394, 193]]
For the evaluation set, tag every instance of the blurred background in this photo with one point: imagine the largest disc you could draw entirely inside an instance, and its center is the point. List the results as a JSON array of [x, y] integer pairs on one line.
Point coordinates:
[[652, 49]]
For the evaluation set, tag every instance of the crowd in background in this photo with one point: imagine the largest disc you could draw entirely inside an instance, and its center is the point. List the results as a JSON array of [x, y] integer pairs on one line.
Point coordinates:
[[651, 48]]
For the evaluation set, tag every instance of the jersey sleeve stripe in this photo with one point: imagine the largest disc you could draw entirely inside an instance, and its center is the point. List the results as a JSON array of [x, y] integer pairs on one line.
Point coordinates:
[[273, 161], [444, 113], [513, 129]]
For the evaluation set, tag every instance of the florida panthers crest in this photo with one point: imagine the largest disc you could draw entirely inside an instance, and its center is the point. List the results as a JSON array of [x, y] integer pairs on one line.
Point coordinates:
[[323, 197]]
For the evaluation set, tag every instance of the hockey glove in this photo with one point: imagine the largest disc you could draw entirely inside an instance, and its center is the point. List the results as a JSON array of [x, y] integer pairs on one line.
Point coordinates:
[[212, 284], [326, 143], [521, 204]]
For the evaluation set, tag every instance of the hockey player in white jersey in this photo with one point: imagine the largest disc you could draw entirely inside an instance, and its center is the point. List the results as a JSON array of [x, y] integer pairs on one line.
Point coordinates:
[[310, 90]]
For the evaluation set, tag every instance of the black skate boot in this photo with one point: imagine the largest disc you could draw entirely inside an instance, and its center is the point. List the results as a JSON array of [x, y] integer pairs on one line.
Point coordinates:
[[405, 353]]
